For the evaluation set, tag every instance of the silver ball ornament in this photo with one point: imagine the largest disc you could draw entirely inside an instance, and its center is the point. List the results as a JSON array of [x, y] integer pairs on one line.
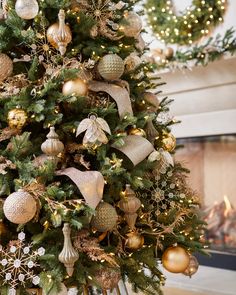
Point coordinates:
[[111, 67], [19, 207], [6, 66], [27, 9]]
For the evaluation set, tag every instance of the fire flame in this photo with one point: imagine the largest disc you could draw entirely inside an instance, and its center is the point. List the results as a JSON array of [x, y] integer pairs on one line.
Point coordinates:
[[228, 206]]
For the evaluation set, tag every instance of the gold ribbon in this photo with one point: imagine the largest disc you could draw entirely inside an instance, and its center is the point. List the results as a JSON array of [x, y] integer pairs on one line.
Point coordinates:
[[118, 93], [90, 184]]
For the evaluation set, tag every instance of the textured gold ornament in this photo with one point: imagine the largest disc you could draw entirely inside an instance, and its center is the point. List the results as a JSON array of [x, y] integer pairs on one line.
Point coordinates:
[[19, 207], [168, 142], [105, 217], [6, 67], [68, 255], [134, 241], [52, 146], [137, 131], [17, 118], [94, 127], [27, 9], [168, 52], [77, 87], [175, 259], [108, 278], [192, 267], [111, 67], [131, 25], [130, 204], [59, 34]]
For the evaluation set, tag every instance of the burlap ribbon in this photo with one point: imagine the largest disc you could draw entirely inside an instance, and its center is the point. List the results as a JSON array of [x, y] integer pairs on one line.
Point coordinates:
[[118, 93], [90, 184]]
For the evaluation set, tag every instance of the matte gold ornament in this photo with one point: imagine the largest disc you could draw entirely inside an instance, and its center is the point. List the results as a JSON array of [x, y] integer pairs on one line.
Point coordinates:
[[75, 87], [17, 118], [192, 267], [105, 217], [20, 207], [130, 204], [6, 67], [27, 9], [111, 67], [175, 259], [108, 278], [168, 52], [134, 241], [59, 34], [52, 147], [94, 127], [68, 255], [137, 131], [131, 25]]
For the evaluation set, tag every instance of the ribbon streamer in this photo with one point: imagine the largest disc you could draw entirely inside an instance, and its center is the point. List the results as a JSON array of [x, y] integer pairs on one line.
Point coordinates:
[[118, 93], [90, 184]]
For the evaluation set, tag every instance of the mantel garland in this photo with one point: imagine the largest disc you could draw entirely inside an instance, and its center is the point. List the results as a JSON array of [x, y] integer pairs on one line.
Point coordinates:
[[187, 27]]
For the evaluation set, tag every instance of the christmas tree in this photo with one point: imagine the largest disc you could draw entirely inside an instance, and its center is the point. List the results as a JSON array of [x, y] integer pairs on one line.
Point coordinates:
[[90, 193]]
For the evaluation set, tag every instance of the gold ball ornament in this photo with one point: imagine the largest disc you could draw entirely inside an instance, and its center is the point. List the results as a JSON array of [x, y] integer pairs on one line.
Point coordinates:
[[75, 87], [17, 118], [105, 217], [168, 52], [168, 142], [111, 67], [175, 259], [137, 131], [134, 241], [6, 67], [20, 207], [192, 267], [131, 25], [108, 278], [27, 9]]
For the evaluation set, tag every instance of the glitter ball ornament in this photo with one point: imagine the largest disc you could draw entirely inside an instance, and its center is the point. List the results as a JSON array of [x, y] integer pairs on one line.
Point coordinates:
[[134, 241], [175, 259], [27, 9], [108, 278], [17, 118], [6, 67], [19, 207], [77, 87], [111, 67], [192, 267], [105, 217], [131, 24]]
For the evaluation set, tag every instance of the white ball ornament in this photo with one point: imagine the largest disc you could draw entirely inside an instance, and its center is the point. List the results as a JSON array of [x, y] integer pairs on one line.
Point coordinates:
[[111, 67], [132, 24], [19, 207], [27, 9]]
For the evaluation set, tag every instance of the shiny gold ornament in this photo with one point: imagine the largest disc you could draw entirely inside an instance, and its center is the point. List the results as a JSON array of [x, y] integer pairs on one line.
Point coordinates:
[[17, 118], [137, 131], [130, 204], [20, 207], [131, 25], [75, 87], [27, 9], [168, 52], [175, 259], [111, 67], [94, 127], [192, 267], [52, 146], [168, 142], [108, 278], [105, 217], [59, 34], [134, 241], [6, 67], [68, 255]]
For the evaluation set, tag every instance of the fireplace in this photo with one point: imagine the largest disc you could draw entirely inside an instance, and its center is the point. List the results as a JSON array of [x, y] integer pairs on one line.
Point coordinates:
[[212, 161]]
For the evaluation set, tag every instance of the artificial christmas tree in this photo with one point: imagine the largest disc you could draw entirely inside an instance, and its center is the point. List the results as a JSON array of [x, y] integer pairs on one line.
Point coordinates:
[[101, 198]]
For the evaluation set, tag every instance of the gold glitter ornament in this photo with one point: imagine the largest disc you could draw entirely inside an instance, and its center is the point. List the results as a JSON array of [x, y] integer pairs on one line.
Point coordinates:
[[105, 217], [131, 25], [17, 118], [27, 9], [134, 241], [192, 267], [6, 66], [111, 67], [175, 259], [77, 87]]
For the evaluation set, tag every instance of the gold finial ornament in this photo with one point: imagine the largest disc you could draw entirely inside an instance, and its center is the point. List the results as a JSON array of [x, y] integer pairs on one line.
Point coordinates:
[[52, 146]]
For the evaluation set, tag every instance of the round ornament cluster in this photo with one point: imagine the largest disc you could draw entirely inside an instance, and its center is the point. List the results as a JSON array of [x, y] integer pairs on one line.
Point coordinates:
[[175, 259], [105, 217], [6, 66], [27, 9], [19, 207], [111, 67]]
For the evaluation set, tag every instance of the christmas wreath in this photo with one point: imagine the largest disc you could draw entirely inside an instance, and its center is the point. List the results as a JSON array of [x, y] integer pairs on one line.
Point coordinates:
[[190, 25]]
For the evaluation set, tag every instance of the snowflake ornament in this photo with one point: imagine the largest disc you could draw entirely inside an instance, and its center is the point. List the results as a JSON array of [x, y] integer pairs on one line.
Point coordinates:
[[17, 263]]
